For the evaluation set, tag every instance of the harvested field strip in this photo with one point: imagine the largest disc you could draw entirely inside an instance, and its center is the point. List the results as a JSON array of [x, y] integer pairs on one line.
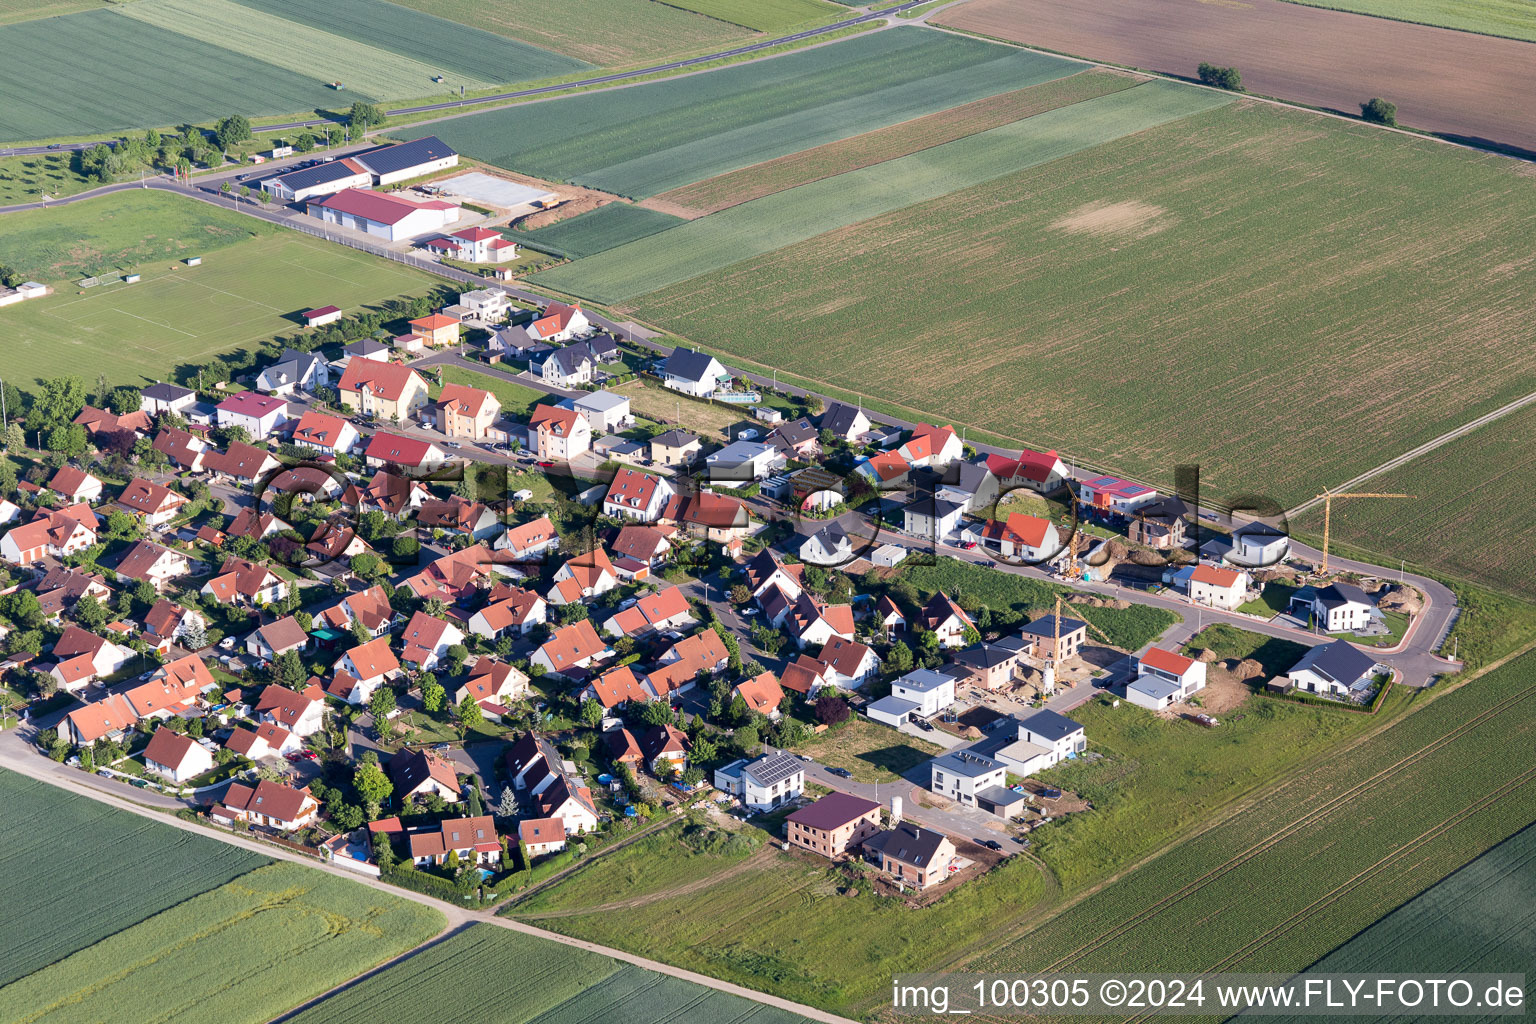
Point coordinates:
[[1462, 85], [469, 970], [584, 28], [1464, 517], [1350, 260], [633, 995], [603, 228], [240, 954], [146, 76], [302, 49], [1515, 19], [761, 15], [12, 11], [153, 867], [737, 187], [784, 218], [470, 53], [647, 139], [1455, 772]]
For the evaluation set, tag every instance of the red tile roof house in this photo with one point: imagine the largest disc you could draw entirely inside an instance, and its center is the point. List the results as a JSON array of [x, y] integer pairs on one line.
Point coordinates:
[[108, 718], [245, 582], [256, 525], [679, 667], [74, 485], [850, 663], [394, 450], [390, 493], [666, 609], [946, 618], [302, 714], [170, 621], [541, 836], [1217, 587], [155, 504], [762, 694], [426, 640], [639, 549], [279, 637], [559, 323], [458, 515], [83, 656], [325, 433], [666, 750], [371, 605], [517, 614], [176, 757], [173, 689], [147, 561], [572, 647], [582, 577], [266, 740], [623, 748], [100, 421], [182, 448], [260, 415], [268, 804], [636, 495], [473, 839], [474, 245], [529, 540], [421, 772], [493, 685], [382, 214], [617, 687], [805, 675], [932, 446], [242, 463], [383, 389], [363, 670], [813, 621], [57, 533], [1039, 471]]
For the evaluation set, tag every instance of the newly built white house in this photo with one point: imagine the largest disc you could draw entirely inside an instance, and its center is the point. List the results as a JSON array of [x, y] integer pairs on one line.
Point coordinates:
[[1164, 678]]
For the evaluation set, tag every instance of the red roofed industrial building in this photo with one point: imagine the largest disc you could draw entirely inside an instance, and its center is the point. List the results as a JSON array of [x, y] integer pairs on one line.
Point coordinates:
[[382, 214]]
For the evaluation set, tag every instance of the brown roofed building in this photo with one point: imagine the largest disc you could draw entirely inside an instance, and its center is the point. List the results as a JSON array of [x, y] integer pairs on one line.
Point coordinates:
[[833, 824]]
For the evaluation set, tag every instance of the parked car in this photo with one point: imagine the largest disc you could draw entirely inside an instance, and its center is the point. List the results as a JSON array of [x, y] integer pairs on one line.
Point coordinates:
[[452, 444], [991, 844], [546, 465], [842, 773], [968, 545], [923, 724]]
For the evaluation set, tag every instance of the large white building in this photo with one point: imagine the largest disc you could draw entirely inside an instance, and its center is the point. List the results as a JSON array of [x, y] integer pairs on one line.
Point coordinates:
[[1044, 738], [921, 693], [1164, 678], [764, 782], [382, 214]]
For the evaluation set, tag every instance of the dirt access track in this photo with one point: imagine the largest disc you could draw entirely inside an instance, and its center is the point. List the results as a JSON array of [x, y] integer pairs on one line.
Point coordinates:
[[1468, 88]]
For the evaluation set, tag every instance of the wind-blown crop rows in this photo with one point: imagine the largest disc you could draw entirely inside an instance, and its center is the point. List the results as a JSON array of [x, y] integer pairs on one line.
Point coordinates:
[[603, 228], [640, 141], [633, 995], [136, 868], [736, 187], [100, 71], [468, 53], [1466, 513], [1361, 832], [484, 973], [784, 218], [761, 15], [1354, 263], [241, 954]]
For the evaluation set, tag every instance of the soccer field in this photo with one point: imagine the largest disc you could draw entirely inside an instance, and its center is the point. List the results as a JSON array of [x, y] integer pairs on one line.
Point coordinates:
[[178, 314]]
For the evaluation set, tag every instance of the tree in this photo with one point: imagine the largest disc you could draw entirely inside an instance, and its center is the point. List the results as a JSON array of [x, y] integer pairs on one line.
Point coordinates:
[[383, 851], [363, 116], [381, 704], [304, 143], [1380, 111], [747, 739], [288, 669], [506, 806], [360, 631], [1220, 78], [367, 565], [346, 817], [333, 137], [372, 785], [405, 546], [433, 695], [899, 660], [69, 440], [232, 129], [591, 713], [830, 710], [740, 594], [455, 655], [15, 441], [193, 637], [469, 712], [90, 613], [656, 712]]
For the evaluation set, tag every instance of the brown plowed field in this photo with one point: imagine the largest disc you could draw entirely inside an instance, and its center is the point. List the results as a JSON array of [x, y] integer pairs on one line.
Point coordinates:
[[758, 180], [1470, 87]]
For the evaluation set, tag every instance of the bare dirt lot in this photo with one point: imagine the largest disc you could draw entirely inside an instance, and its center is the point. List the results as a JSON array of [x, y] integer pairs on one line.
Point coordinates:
[[1464, 86]]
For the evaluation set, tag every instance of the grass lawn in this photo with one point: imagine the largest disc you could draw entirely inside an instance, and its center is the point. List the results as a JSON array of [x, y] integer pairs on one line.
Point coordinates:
[[777, 922], [710, 420], [1513, 18], [23, 179], [1274, 600], [517, 400], [871, 751], [1159, 777], [1275, 654], [252, 283]]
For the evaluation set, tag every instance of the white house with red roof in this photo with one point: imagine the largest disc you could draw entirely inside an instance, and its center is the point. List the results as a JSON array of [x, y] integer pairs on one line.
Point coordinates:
[[260, 415], [268, 803], [1217, 587], [474, 245], [427, 639], [559, 323], [1029, 538], [176, 757], [1039, 471], [529, 540], [948, 620], [394, 450], [586, 575], [108, 718], [362, 670], [155, 504], [57, 533], [813, 621], [636, 495], [849, 664], [75, 485], [83, 657], [931, 445], [1164, 678], [301, 713], [1112, 494], [242, 463], [382, 389], [666, 609], [515, 614], [385, 215], [572, 646], [328, 434]]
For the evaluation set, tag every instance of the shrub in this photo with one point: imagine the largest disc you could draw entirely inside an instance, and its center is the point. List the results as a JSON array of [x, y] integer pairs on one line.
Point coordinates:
[[1220, 78], [1379, 111]]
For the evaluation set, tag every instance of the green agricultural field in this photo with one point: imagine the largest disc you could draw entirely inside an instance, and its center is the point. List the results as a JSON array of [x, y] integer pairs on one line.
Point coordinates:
[[640, 141], [425, 37], [1477, 920], [763, 15], [1464, 517], [777, 923], [12, 11], [633, 995], [1011, 597], [1226, 642], [153, 867], [253, 280], [584, 28], [1513, 18], [785, 218], [240, 954], [147, 75], [1315, 241], [516, 399], [758, 180], [596, 230], [1352, 835]]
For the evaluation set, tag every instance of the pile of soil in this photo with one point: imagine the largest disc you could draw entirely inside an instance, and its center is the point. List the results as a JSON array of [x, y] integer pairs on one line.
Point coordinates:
[[1401, 598], [565, 211], [1207, 656], [1141, 556], [1248, 669]]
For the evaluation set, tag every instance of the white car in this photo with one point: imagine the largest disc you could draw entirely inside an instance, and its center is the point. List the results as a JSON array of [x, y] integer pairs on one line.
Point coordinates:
[[749, 434]]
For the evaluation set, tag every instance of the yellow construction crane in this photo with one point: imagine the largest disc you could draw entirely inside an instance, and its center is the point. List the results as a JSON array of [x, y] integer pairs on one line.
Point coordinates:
[[1327, 499]]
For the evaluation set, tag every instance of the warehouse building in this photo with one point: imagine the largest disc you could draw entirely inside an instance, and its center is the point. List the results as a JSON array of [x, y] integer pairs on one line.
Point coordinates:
[[406, 160], [321, 180], [383, 214]]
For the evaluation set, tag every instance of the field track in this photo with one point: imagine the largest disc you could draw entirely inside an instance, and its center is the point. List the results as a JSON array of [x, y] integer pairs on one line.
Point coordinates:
[[1466, 87], [1312, 815]]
